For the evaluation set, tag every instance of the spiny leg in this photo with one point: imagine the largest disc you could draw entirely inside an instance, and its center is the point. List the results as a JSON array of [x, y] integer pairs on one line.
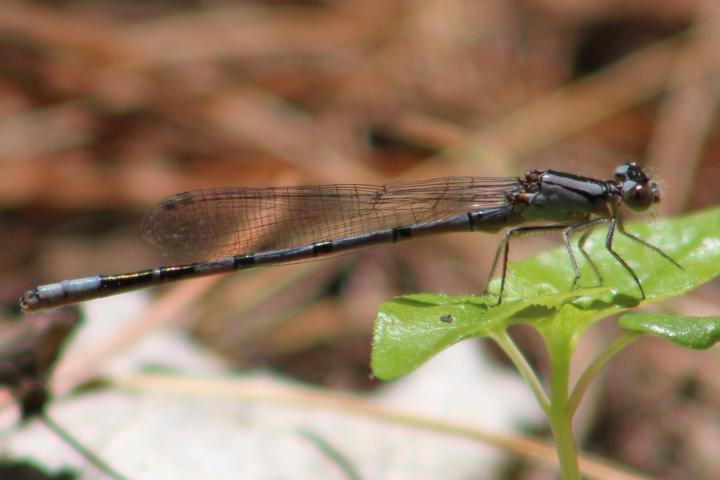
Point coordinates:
[[588, 226], [609, 247], [658, 250], [504, 247], [581, 246]]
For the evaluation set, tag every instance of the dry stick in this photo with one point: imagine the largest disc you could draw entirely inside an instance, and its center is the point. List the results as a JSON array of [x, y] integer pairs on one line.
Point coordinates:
[[687, 112], [300, 140], [582, 104], [567, 110], [274, 392], [171, 307]]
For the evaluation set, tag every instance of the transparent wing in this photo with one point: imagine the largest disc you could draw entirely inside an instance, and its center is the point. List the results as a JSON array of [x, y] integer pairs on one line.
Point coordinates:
[[206, 224]]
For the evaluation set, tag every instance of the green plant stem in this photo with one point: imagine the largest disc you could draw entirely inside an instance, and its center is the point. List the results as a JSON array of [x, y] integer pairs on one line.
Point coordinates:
[[81, 449], [511, 350], [561, 414], [610, 351]]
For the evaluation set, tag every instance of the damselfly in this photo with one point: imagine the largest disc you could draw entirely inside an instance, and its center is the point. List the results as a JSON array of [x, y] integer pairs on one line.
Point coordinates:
[[226, 229]]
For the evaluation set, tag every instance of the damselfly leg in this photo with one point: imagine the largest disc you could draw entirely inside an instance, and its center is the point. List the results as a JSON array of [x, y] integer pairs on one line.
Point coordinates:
[[614, 224], [504, 251]]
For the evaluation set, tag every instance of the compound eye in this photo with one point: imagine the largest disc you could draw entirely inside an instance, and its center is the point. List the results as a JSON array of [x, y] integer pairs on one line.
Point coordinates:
[[621, 172], [639, 197]]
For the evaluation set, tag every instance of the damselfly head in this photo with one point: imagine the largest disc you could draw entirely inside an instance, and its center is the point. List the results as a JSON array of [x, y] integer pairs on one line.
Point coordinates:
[[639, 192]]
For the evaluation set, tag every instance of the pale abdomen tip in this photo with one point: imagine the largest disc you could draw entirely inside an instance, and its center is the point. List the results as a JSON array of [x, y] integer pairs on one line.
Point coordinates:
[[29, 301]]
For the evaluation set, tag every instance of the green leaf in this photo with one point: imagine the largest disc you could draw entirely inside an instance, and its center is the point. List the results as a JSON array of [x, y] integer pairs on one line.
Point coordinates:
[[691, 332], [411, 329]]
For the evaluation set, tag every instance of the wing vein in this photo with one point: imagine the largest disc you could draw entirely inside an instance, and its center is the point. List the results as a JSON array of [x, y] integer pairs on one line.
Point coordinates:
[[205, 224]]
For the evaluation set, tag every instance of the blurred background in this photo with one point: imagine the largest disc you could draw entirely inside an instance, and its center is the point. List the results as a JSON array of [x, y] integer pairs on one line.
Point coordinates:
[[107, 107]]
